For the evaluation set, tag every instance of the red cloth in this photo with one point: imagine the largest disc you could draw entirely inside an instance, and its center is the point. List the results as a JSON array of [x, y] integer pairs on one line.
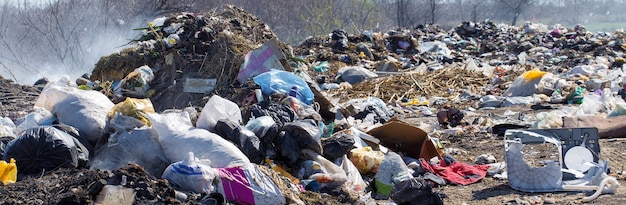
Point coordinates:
[[457, 172]]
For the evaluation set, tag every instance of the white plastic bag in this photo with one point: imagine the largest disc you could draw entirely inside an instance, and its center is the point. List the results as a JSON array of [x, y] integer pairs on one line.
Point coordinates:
[[620, 109], [546, 120], [7, 128], [130, 145], [216, 109], [39, 116], [355, 180], [178, 138], [191, 175], [86, 110]]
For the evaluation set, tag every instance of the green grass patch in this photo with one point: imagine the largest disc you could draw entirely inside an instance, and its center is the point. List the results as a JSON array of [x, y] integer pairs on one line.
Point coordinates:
[[605, 26]]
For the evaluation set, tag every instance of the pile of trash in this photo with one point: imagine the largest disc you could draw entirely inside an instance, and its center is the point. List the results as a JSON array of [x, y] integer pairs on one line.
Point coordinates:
[[213, 108], [188, 55]]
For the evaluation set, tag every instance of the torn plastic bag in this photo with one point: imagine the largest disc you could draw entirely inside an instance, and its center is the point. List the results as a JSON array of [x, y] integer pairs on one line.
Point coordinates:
[[277, 81], [246, 185], [216, 109], [392, 170], [177, 138], [279, 112], [355, 74], [337, 145], [190, 174], [134, 146], [306, 134], [415, 191], [45, 148], [137, 108], [39, 117], [355, 180], [245, 139], [86, 110]]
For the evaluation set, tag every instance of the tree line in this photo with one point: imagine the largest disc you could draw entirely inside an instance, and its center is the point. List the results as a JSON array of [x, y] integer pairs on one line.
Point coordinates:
[[69, 36]]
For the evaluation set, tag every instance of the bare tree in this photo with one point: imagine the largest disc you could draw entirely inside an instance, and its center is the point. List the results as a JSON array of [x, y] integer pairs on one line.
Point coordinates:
[[433, 6], [516, 7], [476, 4], [402, 12]]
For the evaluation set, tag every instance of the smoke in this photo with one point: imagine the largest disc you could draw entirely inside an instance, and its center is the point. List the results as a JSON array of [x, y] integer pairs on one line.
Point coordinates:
[[72, 49]]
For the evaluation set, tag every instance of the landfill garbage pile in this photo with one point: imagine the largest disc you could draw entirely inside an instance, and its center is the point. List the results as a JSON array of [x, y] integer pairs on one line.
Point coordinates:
[[214, 109], [206, 48]]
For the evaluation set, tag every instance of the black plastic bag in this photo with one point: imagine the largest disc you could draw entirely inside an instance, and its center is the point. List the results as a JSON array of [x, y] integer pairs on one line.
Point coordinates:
[[415, 192], [45, 148], [239, 135], [337, 145], [380, 116], [4, 141], [340, 38], [280, 113], [288, 147], [306, 133]]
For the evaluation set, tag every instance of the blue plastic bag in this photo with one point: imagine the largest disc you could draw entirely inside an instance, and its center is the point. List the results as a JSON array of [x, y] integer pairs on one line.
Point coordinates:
[[277, 81]]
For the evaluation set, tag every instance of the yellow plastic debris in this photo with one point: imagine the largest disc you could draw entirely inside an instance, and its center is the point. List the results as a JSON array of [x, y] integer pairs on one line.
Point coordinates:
[[137, 108], [8, 171], [533, 74], [366, 160]]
